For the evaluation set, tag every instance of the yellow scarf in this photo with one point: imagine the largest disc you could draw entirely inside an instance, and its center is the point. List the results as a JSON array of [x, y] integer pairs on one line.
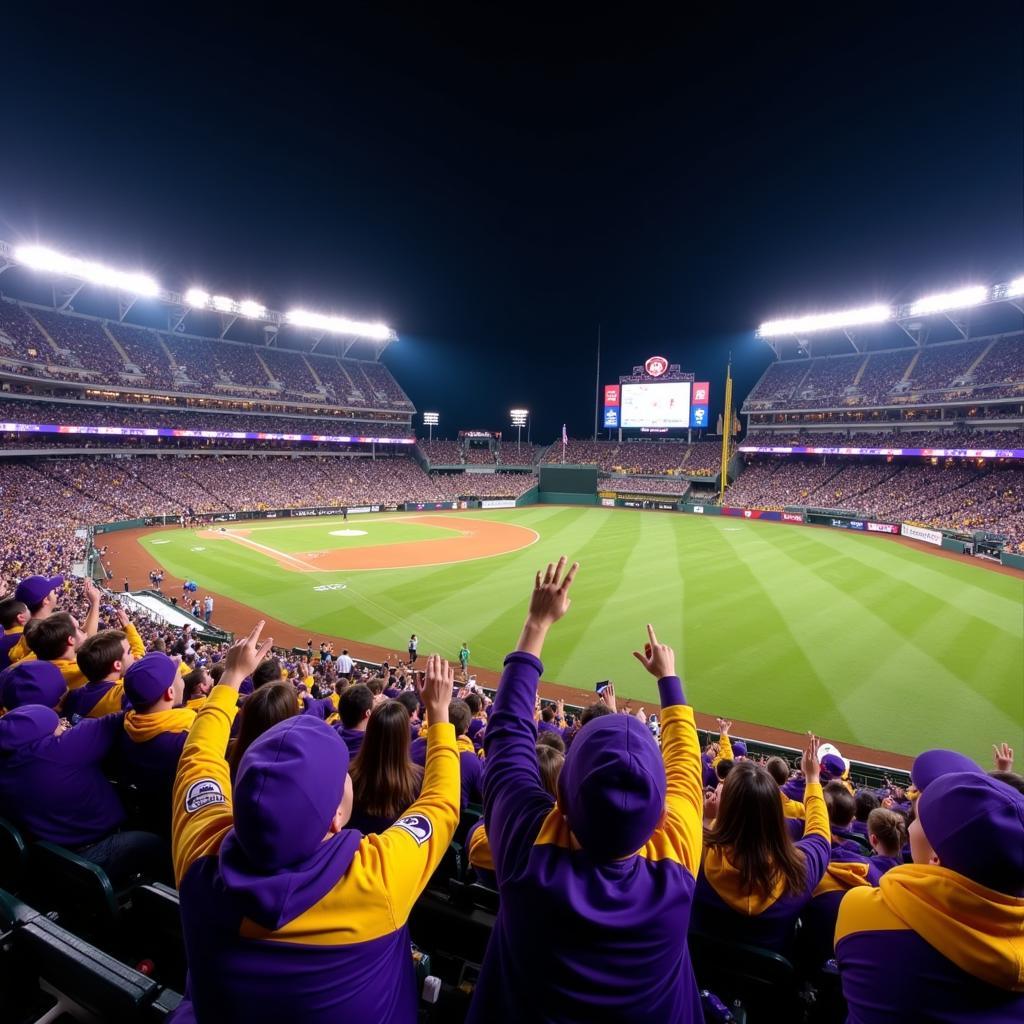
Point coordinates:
[[142, 727]]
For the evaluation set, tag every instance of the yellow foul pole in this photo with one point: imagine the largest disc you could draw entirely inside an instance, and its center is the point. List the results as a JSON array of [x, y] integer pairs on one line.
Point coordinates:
[[726, 433]]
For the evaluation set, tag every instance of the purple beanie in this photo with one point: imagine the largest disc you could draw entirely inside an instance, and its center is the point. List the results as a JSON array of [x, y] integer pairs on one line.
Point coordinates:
[[933, 764], [289, 785], [612, 787], [832, 767], [739, 748], [976, 826], [31, 682], [148, 678]]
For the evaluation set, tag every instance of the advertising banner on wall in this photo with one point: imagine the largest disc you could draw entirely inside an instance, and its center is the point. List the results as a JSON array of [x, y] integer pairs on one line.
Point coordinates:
[[752, 513], [497, 503], [608, 502], [921, 533], [792, 517], [882, 528]]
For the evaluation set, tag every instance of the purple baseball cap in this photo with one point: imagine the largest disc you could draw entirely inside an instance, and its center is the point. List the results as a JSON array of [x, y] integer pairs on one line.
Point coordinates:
[[33, 589], [31, 682], [933, 764], [612, 787], [832, 767], [976, 826], [281, 815], [148, 678]]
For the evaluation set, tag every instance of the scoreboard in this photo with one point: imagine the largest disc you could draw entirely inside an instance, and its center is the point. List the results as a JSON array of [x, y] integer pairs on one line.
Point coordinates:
[[657, 397]]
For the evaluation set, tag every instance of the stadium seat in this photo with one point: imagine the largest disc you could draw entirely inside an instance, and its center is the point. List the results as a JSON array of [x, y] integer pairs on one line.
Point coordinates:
[[50, 974], [467, 895], [13, 856], [77, 889], [438, 926], [765, 983], [153, 917], [453, 865]]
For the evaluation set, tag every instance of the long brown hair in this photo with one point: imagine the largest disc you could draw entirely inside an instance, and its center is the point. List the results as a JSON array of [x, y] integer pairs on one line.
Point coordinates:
[[263, 708], [384, 781], [751, 832]]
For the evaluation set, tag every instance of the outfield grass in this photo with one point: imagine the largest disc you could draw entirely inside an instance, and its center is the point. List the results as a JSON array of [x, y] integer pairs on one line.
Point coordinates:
[[861, 638]]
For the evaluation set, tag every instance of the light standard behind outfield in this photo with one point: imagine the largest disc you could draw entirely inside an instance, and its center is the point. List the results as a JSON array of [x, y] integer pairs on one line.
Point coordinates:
[[430, 421], [519, 417]]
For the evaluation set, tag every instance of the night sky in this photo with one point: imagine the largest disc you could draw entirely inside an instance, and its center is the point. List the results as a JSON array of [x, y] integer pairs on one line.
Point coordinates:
[[495, 184]]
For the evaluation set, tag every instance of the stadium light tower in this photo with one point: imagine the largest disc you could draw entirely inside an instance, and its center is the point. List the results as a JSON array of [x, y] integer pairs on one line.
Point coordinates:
[[430, 421], [519, 418]]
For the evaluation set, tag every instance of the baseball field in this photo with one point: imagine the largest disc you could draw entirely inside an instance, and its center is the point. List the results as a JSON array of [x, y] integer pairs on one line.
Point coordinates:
[[868, 640]]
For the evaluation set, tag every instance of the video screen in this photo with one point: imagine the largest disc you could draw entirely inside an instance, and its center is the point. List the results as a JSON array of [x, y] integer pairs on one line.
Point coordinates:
[[665, 404]]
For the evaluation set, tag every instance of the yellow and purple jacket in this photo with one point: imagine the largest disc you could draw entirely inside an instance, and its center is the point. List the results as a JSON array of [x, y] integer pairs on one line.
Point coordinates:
[[618, 951], [931, 945], [320, 939], [766, 919]]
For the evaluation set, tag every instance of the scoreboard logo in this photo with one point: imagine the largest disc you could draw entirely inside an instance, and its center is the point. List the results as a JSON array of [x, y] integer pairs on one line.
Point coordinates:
[[700, 393], [656, 366], [611, 394]]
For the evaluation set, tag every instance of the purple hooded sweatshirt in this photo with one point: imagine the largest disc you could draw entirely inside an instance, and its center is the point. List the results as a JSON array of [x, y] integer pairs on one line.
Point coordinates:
[[613, 863]]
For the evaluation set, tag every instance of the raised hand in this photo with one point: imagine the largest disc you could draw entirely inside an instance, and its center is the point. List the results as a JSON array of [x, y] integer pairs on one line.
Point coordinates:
[[550, 598], [809, 764], [659, 659], [122, 616], [607, 697], [1004, 757], [244, 655], [724, 725], [436, 689], [641, 715], [92, 593]]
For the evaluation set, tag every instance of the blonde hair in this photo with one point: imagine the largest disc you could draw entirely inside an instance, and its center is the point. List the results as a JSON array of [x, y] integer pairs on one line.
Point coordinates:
[[889, 829]]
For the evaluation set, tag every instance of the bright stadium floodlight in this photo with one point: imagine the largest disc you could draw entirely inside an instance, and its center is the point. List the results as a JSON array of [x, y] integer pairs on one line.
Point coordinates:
[[430, 421], [959, 299], [825, 321], [223, 304], [519, 417], [197, 298], [1015, 288], [338, 324], [38, 257], [252, 309]]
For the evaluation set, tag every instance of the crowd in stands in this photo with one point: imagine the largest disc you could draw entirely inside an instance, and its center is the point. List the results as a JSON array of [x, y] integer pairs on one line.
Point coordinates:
[[960, 437], [641, 457], [512, 454], [644, 485], [83, 490], [304, 808], [954, 495], [91, 414], [65, 347], [980, 369], [474, 456], [441, 453]]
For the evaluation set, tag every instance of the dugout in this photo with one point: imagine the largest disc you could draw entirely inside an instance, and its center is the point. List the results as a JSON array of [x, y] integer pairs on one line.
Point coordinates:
[[567, 485]]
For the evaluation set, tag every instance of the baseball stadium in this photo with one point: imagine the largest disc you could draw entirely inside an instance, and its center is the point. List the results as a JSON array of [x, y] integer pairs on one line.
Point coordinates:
[[375, 648]]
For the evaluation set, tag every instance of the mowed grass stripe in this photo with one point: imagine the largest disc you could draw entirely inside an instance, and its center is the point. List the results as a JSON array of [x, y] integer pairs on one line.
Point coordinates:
[[864, 639]]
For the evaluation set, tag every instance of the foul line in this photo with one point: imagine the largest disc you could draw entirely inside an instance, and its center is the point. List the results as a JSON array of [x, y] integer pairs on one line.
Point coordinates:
[[276, 554]]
